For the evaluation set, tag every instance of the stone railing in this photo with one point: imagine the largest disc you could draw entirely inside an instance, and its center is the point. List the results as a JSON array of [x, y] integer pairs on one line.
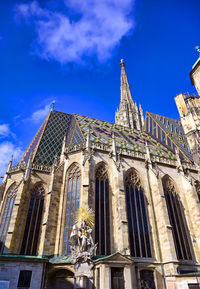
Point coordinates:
[[19, 167], [43, 168], [123, 152], [23, 166]]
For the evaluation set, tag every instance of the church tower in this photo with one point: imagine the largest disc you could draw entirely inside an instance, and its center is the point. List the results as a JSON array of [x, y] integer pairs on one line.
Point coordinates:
[[128, 113], [189, 110], [195, 73]]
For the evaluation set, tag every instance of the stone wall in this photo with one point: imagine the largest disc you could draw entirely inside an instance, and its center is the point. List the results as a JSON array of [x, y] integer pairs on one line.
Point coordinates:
[[10, 270], [189, 110], [164, 260], [195, 76]]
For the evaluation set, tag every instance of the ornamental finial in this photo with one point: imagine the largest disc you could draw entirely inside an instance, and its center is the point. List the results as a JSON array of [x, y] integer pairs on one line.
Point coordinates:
[[197, 49], [52, 105], [122, 63]]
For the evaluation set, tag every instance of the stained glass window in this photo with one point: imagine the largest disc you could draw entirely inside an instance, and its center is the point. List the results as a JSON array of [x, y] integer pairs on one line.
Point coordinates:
[[72, 204], [177, 221], [102, 212], [33, 221], [7, 214], [139, 237]]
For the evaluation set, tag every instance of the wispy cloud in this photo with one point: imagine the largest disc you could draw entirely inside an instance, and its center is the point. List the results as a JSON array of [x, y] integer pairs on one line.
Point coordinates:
[[83, 28], [40, 114], [7, 149], [4, 130]]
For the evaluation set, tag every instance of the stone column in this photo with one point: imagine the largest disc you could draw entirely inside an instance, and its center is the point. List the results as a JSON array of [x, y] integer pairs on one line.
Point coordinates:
[[102, 276], [191, 210], [13, 238], [120, 222], [129, 277], [50, 222], [107, 277], [133, 276], [163, 242], [58, 247]]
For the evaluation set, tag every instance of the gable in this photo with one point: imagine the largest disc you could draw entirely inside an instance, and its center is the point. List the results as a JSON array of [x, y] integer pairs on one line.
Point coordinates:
[[116, 258], [74, 135]]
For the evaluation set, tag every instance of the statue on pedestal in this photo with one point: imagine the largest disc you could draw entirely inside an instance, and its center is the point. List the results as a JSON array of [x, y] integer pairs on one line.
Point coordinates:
[[83, 247]]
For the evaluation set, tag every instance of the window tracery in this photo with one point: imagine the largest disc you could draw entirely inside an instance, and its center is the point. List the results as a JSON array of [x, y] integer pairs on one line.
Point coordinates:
[[33, 221], [7, 214], [139, 236], [177, 221], [102, 211], [72, 204], [147, 279]]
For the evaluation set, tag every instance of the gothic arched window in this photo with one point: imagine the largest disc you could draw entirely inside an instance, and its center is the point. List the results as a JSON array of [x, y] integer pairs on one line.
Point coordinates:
[[7, 214], [102, 211], [72, 204], [177, 221], [33, 221], [137, 217], [147, 279]]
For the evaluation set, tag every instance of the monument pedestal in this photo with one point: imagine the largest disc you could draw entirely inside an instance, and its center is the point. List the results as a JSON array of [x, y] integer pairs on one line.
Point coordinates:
[[83, 275]]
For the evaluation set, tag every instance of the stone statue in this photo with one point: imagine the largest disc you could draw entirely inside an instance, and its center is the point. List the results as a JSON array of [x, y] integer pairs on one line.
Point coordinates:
[[83, 247]]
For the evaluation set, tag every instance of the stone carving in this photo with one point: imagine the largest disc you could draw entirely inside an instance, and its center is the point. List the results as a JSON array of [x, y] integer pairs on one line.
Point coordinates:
[[87, 156], [133, 178], [101, 173], [169, 186], [83, 247]]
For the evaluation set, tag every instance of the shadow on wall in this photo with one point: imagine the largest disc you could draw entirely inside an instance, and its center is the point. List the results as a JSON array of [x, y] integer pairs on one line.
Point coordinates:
[[64, 278], [60, 279]]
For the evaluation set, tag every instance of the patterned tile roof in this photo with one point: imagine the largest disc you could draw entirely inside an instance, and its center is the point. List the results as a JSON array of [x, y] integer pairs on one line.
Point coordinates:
[[125, 138], [48, 141], [169, 132], [34, 144]]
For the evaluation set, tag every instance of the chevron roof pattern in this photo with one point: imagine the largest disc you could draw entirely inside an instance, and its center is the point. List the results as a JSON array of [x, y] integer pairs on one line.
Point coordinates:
[[169, 132], [162, 135]]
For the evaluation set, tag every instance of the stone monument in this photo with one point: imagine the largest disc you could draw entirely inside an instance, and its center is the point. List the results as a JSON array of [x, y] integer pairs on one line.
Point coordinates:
[[83, 248]]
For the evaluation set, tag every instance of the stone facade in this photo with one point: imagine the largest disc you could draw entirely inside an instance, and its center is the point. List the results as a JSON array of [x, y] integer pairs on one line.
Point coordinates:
[[53, 269], [195, 75], [10, 268], [189, 110]]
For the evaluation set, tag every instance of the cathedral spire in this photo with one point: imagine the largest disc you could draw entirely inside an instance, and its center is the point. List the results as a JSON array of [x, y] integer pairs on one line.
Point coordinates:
[[128, 114], [125, 88]]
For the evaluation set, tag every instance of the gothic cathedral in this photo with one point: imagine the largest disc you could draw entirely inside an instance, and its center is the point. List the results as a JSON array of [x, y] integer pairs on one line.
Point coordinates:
[[138, 178]]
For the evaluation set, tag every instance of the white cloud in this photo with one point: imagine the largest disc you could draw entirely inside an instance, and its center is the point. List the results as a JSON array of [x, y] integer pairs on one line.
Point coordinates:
[[6, 150], [96, 28], [4, 130], [40, 114]]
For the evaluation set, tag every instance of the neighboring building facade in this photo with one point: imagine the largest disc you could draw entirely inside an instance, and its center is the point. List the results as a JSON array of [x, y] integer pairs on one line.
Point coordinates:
[[141, 177]]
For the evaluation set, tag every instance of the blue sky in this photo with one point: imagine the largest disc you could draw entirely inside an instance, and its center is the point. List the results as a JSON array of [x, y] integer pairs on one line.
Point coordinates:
[[69, 51]]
